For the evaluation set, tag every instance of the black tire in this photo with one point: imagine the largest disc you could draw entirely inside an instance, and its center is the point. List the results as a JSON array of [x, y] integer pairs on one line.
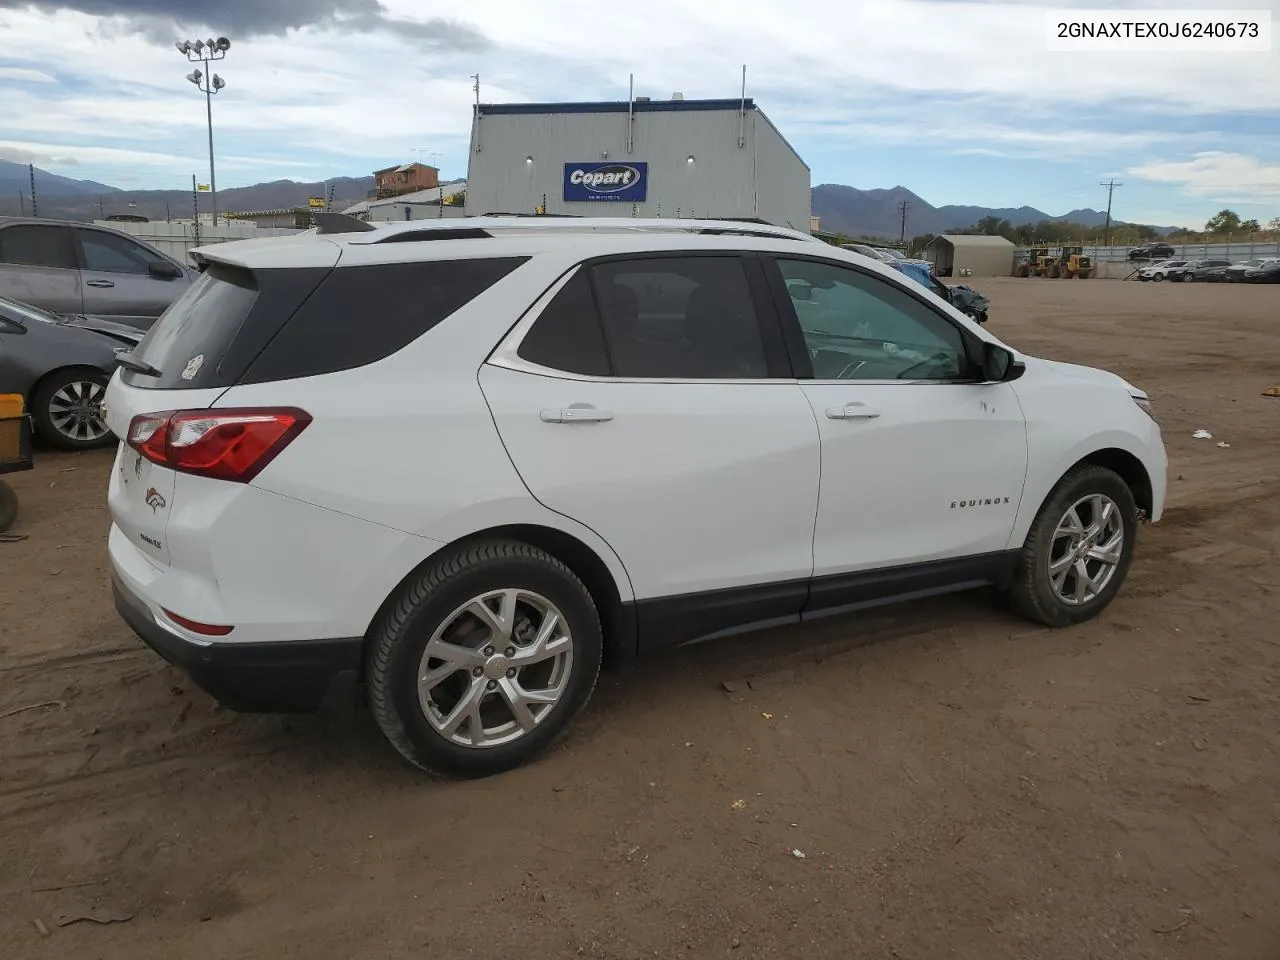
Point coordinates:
[[1188, 278], [399, 639], [43, 417], [1158, 277], [1031, 592], [8, 506]]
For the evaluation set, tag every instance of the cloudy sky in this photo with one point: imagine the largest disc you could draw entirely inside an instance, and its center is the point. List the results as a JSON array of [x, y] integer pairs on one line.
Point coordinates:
[[960, 102]]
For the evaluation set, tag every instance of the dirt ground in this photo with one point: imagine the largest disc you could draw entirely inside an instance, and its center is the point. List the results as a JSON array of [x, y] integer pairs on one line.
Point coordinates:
[[959, 783]]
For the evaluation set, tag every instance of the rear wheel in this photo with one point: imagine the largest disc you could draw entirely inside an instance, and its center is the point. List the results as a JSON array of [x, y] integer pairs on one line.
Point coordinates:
[[484, 659], [1158, 277], [67, 409], [1078, 551]]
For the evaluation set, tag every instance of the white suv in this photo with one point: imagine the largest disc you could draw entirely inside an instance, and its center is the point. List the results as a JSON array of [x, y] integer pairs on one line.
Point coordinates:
[[457, 466]]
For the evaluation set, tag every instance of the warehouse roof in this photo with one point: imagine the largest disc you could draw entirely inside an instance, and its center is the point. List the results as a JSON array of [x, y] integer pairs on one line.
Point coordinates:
[[972, 240], [617, 106]]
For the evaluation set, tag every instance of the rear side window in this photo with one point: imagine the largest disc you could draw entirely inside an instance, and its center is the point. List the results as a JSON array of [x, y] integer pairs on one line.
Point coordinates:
[[35, 245], [362, 314]]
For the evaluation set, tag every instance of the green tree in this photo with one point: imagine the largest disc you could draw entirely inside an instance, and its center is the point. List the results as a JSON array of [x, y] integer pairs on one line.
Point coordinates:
[[1224, 221], [1250, 226]]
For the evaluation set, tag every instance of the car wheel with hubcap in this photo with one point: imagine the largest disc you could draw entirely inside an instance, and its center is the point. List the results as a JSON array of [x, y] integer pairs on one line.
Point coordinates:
[[1157, 277], [1079, 548], [484, 659], [67, 409]]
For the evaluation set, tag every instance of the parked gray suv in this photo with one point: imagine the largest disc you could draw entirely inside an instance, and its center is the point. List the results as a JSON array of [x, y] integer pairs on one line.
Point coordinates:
[[80, 269]]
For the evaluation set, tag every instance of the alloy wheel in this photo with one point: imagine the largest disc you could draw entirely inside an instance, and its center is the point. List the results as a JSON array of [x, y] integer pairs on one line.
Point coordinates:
[[495, 668], [76, 411], [1086, 550]]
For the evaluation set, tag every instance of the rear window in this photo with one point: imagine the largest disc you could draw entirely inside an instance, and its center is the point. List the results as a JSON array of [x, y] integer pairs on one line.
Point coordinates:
[[236, 326], [187, 343]]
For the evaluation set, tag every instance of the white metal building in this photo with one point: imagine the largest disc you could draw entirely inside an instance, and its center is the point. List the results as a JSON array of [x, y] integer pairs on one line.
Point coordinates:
[[646, 158], [430, 204]]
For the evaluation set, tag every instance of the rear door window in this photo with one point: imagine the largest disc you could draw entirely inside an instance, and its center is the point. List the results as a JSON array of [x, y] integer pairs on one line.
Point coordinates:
[[682, 318]]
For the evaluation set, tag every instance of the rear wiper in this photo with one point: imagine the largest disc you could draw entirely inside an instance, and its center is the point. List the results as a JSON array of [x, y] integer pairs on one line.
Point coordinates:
[[126, 359]]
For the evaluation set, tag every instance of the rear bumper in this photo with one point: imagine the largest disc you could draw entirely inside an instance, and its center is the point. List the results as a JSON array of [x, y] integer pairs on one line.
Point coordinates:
[[279, 677]]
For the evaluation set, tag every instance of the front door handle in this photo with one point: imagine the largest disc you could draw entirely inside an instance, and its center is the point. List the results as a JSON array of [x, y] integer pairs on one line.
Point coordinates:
[[852, 411], [575, 414], [100, 283]]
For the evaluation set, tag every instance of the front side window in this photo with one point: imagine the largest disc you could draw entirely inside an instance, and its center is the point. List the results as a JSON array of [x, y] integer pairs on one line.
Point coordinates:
[[859, 327], [34, 245], [680, 318], [107, 253]]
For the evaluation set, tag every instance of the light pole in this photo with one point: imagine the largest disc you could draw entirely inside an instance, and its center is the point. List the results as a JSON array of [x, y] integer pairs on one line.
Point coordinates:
[[205, 51]]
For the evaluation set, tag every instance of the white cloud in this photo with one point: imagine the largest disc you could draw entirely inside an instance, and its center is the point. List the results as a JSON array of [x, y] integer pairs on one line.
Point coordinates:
[[25, 75], [925, 75], [1228, 177]]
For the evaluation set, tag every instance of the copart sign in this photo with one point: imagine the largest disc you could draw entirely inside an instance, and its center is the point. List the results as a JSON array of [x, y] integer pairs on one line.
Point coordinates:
[[605, 181]]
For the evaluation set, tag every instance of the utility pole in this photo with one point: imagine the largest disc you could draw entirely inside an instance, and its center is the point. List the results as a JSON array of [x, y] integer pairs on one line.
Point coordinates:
[[31, 171], [1106, 231], [22, 202], [903, 207], [101, 212]]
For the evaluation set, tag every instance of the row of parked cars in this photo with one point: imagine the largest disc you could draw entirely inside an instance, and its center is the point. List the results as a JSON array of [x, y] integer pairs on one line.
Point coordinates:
[[1257, 270], [72, 295]]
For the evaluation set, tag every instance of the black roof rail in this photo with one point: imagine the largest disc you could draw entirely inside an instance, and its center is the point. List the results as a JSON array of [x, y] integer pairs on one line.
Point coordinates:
[[341, 223], [446, 233]]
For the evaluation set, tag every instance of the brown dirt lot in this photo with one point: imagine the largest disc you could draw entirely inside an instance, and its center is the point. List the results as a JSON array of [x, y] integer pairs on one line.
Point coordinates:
[[961, 784]]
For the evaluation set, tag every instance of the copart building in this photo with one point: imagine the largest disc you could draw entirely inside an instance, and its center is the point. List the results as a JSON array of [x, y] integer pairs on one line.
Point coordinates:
[[641, 157]]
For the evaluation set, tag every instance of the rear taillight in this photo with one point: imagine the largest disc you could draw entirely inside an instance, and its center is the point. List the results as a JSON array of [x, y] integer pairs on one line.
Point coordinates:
[[233, 444]]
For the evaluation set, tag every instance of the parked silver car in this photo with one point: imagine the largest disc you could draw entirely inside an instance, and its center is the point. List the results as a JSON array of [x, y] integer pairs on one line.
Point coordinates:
[[86, 270]]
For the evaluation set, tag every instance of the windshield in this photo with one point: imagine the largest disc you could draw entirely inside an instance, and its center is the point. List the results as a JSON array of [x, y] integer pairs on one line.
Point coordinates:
[[24, 311]]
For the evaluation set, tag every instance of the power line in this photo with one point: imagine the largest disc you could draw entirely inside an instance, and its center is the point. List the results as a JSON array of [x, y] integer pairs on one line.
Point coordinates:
[[903, 207], [1106, 231]]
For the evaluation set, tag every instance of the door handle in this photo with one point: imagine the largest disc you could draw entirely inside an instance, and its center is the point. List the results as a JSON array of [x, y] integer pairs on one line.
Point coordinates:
[[575, 415], [852, 411], [99, 283]]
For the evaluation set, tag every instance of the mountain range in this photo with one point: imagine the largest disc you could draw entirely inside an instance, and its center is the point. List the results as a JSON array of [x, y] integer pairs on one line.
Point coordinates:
[[71, 199], [875, 213], [842, 209]]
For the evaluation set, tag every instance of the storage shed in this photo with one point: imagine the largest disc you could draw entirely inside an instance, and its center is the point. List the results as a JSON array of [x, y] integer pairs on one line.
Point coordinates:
[[951, 254]]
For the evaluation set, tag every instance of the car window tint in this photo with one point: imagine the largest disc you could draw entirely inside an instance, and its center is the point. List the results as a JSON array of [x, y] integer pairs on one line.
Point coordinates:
[[108, 253], [37, 246], [859, 327], [567, 336], [680, 317], [359, 315]]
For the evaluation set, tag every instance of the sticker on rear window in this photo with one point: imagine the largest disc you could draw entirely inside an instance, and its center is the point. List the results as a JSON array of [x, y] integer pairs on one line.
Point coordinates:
[[193, 367]]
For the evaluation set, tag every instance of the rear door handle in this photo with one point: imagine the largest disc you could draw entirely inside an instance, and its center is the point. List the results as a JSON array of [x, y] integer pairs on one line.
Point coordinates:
[[100, 283], [575, 415], [852, 411]]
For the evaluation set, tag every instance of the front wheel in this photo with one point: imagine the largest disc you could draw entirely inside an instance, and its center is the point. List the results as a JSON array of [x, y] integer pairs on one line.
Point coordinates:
[[1158, 277], [1077, 553], [484, 659], [67, 409]]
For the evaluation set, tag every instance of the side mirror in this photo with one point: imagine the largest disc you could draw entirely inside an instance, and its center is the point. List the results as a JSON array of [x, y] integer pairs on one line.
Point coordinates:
[[164, 270], [999, 365], [12, 327]]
